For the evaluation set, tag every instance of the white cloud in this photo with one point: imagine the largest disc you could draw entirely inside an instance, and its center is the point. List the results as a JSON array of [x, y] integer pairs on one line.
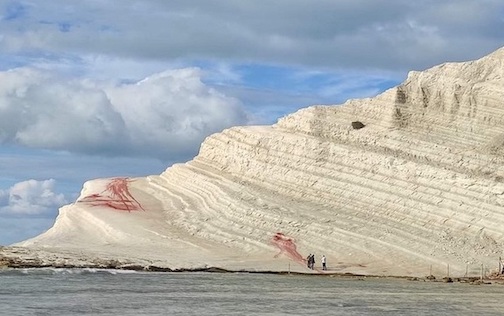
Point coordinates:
[[162, 116], [31, 197], [344, 33], [38, 110], [174, 110]]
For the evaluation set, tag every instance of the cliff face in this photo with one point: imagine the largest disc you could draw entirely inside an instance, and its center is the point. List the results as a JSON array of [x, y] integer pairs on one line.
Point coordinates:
[[418, 184]]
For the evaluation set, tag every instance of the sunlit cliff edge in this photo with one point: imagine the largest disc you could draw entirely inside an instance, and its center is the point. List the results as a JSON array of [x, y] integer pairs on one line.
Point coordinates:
[[410, 182]]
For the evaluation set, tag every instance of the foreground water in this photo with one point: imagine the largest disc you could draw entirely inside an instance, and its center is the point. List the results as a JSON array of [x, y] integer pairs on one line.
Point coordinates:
[[105, 292]]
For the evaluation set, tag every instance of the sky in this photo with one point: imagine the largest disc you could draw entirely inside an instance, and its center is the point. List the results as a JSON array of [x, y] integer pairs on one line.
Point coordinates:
[[96, 89]]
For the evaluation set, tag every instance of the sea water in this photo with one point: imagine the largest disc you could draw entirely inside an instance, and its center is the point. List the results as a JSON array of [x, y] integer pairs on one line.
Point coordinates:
[[111, 292]]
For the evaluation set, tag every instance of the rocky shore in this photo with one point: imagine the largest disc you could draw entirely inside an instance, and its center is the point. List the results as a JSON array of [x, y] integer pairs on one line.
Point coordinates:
[[24, 258]]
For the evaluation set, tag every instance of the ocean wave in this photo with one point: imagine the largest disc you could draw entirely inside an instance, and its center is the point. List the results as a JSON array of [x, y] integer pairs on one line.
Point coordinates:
[[58, 271]]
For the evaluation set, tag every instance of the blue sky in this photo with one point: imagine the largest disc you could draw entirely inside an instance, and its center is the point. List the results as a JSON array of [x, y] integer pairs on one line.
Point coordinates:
[[92, 89]]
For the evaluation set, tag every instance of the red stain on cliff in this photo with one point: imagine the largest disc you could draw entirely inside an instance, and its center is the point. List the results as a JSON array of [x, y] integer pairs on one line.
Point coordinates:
[[116, 195], [287, 246]]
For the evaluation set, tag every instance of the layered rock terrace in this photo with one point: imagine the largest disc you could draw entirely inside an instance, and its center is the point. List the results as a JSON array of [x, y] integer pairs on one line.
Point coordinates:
[[417, 188]]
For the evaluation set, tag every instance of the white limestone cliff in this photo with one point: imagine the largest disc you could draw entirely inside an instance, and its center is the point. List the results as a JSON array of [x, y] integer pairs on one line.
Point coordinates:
[[418, 189]]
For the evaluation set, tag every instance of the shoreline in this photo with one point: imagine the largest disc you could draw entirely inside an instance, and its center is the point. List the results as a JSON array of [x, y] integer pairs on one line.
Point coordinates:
[[19, 265], [12, 258]]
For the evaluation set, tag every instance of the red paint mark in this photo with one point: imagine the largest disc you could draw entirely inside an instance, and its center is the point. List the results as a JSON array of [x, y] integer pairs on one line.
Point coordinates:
[[116, 195], [287, 246]]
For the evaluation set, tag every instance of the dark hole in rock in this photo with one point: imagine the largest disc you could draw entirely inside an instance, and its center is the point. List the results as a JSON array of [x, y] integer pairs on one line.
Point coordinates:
[[357, 125]]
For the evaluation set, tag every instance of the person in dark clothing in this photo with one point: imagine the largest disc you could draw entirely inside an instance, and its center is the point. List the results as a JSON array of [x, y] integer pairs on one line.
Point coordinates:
[[312, 262]]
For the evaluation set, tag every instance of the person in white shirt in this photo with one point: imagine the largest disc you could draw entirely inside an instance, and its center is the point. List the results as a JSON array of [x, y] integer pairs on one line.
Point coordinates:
[[324, 261]]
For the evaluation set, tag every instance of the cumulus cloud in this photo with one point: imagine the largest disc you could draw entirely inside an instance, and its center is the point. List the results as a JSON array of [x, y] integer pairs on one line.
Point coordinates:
[[31, 197], [162, 116], [174, 110], [39, 111]]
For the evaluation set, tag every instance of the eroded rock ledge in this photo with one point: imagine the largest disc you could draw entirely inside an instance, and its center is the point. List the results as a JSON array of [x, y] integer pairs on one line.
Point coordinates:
[[22, 258]]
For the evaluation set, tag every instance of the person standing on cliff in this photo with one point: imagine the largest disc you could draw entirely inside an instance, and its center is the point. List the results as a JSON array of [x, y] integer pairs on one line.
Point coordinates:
[[324, 261]]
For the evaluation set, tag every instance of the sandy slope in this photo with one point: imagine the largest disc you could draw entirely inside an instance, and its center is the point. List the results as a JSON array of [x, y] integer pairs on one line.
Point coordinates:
[[420, 187]]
